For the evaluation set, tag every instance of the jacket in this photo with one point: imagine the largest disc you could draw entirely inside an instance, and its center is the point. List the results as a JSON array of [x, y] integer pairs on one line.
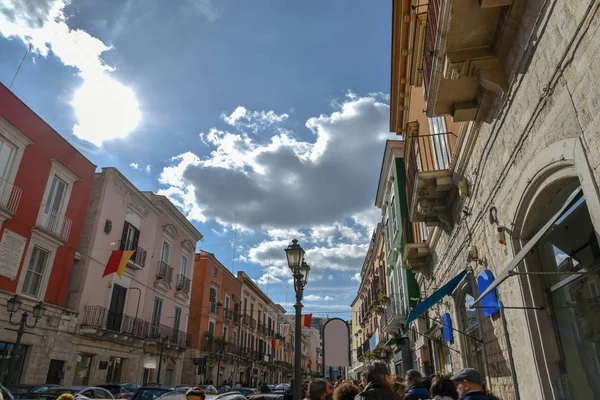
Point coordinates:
[[377, 391], [416, 392], [438, 397], [476, 395]]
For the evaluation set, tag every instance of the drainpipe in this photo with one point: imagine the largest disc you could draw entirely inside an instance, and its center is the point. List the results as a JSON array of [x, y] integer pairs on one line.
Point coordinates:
[[511, 360]]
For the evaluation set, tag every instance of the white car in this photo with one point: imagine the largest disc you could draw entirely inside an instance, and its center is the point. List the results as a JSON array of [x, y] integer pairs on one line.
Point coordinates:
[[179, 394]]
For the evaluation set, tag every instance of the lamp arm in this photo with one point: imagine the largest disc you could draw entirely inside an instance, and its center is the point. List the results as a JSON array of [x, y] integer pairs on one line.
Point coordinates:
[[11, 320], [35, 321]]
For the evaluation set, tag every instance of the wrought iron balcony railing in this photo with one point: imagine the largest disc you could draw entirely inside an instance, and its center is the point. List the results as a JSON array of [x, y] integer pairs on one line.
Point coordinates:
[[139, 257], [431, 29], [183, 283], [164, 271], [54, 223]]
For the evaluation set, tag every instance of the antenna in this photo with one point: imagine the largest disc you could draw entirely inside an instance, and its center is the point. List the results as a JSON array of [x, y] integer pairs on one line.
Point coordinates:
[[29, 48], [234, 237]]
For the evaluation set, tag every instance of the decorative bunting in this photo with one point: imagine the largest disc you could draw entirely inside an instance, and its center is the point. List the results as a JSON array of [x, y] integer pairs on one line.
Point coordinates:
[[117, 262], [306, 320]]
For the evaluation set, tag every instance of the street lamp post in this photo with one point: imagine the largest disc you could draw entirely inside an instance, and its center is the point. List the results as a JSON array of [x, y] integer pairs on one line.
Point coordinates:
[[161, 346], [300, 269], [13, 305]]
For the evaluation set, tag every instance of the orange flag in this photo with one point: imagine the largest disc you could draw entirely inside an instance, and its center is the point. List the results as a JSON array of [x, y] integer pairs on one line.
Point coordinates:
[[306, 320], [117, 262], [275, 344]]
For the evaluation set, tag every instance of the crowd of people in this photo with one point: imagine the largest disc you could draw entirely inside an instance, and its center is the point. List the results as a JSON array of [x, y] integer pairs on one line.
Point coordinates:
[[378, 384]]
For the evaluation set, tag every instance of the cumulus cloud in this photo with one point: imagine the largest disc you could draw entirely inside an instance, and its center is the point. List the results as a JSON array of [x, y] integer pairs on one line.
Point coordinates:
[[44, 25], [356, 277], [312, 297], [148, 168], [134, 165], [255, 121]]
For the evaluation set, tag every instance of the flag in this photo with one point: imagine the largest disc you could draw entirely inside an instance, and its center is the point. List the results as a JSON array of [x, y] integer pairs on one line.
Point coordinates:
[[306, 319], [117, 262], [284, 329], [275, 344]]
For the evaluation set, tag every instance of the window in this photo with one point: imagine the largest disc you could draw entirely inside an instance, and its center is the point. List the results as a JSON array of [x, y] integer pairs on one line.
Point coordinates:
[[393, 216], [439, 139], [227, 302], [6, 152], [115, 366], [183, 269], [225, 333], [156, 315], [165, 253], [234, 337], [130, 237], [177, 319], [213, 300], [57, 194], [211, 327], [35, 272], [82, 369], [388, 240]]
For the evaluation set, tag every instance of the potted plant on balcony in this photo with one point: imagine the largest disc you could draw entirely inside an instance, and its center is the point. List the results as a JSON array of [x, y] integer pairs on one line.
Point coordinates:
[[369, 335], [378, 308], [383, 299]]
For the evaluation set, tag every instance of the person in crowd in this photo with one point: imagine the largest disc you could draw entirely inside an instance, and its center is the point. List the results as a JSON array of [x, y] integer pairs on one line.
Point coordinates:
[[64, 396], [416, 390], [469, 385], [377, 375], [265, 388], [195, 393], [346, 391], [317, 389], [289, 393], [442, 388], [399, 388]]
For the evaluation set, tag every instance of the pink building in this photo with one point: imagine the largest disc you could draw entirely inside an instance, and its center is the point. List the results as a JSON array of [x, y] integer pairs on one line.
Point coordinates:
[[123, 324]]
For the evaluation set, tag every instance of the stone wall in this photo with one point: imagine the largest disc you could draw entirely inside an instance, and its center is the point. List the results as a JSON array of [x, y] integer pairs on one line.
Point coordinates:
[[556, 97]]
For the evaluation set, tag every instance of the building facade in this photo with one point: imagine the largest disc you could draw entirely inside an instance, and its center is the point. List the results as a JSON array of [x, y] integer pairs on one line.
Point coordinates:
[[356, 341], [215, 323], [502, 194], [45, 184], [130, 328]]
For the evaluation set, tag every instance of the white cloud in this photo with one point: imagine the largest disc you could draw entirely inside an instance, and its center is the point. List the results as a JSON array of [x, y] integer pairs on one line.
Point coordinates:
[[43, 24], [254, 120], [328, 298], [356, 277], [330, 277], [134, 165], [312, 297], [148, 168]]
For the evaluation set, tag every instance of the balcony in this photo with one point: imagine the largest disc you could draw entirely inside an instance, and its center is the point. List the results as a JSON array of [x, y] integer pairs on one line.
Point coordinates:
[[165, 272], [183, 283], [228, 314], [460, 56], [213, 307], [138, 259], [394, 315], [429, 179], [56, 225], [172, 336], [359, 353], [252, 322], [10, 196], [246, 320], [99, 321]]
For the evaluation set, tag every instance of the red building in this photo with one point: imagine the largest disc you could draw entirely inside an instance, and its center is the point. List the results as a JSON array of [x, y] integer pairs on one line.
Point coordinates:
[[45, 185]]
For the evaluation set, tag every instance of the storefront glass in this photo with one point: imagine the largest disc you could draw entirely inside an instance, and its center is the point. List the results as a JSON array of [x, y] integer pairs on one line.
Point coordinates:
[[6, 352], [82, 369]]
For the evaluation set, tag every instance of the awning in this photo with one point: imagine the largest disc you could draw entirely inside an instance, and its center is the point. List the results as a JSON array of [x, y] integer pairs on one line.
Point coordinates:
[[435, 298], [573, 198]]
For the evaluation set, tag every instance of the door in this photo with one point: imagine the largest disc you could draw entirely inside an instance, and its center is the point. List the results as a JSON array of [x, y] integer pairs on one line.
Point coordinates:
[[54, 204], [117, 305], [166, 251], [156, 316], [55, 372]]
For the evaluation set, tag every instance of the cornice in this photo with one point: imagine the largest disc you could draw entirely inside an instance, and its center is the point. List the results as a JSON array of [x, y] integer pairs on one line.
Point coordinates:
[[166, 206]]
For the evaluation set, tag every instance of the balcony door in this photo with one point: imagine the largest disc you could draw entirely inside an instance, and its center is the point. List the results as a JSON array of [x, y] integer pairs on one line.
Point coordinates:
[[130, 237], [165, 253], [437, 126], [54, 203], [156, 316], [117, 305]]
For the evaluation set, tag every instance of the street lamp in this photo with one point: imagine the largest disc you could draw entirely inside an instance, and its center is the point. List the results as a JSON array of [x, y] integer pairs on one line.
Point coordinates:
[[12, 306], [300, 270], [161, 347]]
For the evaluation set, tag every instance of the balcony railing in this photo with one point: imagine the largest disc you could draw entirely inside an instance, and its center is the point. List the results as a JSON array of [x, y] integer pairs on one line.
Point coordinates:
[[101, 318], [170, 334], [164, 271], [394, 314], [139, 257], [54, 223], [10, 195], [427, 153], [183, 283], [431, 29], [246, 320], [228, 314], [359, 353]]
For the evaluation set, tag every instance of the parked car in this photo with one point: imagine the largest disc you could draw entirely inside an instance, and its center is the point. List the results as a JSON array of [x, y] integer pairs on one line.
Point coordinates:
[[6, 394], [151, 392], [121, 390], [247, 392], [280, 389], [179, 394], [223, 388], [29, 391], [89, 392], [233, 395]]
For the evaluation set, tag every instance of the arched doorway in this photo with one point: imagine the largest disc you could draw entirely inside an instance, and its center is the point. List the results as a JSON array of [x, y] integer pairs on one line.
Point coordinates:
[[564, 278]]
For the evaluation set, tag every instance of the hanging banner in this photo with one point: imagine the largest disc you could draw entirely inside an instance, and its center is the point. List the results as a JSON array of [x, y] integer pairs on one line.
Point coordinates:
[[284, 329], [336, 343]]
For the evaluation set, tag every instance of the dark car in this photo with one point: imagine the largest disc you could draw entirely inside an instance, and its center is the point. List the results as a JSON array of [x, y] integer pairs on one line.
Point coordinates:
[[29, 391], [121, 390], [280, 389], [151, 392]]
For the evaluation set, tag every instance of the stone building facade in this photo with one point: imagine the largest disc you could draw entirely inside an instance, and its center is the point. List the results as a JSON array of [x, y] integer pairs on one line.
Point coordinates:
[[527, 95]]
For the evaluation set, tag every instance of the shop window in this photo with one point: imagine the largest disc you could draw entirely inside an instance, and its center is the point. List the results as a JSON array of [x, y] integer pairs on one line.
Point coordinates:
[[82, 369], [6, 352], [115, 367]]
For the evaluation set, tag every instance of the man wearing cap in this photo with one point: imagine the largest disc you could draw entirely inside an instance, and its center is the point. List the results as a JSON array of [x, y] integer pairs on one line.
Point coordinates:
[[469, 385]]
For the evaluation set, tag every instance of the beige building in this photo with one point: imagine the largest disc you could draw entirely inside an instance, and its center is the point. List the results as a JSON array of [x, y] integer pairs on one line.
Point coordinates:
[[356, 367], [511, 197]]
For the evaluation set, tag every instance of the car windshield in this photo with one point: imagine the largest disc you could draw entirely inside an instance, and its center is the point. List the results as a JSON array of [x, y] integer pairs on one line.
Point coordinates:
[[150, 393]]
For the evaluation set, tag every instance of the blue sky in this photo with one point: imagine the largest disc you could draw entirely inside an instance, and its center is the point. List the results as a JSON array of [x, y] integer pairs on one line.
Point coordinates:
[[273, 113]]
